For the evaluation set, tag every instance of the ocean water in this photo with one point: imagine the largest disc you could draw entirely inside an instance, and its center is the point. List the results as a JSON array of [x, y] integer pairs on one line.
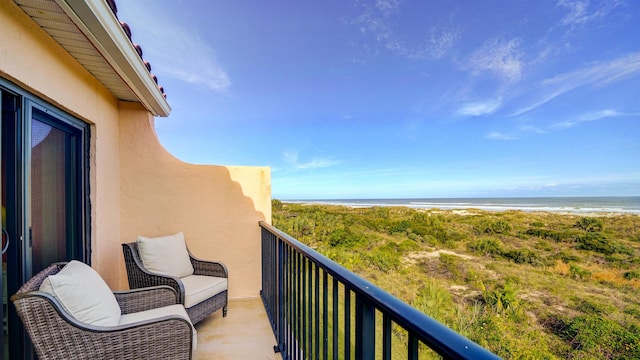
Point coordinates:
[[574, 205]]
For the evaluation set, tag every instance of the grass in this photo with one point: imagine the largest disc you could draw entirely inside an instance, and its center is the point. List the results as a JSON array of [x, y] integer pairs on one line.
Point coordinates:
[[523, 285]]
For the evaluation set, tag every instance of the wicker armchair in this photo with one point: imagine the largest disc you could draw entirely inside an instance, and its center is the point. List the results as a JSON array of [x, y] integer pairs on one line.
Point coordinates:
[[55, 334], [140, 277]]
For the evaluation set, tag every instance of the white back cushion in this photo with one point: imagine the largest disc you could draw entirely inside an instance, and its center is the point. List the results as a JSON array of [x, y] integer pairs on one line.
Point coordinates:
[[83, 294], [166, 255]]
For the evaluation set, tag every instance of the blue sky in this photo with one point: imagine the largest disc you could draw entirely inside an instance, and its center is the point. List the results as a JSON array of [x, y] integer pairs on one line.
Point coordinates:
[[395, 99]]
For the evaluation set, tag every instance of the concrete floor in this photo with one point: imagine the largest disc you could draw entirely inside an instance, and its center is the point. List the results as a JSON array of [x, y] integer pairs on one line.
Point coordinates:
[[244, 334]]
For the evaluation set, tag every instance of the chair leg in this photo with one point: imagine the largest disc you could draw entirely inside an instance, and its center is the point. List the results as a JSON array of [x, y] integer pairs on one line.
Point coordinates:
[[224, 311]]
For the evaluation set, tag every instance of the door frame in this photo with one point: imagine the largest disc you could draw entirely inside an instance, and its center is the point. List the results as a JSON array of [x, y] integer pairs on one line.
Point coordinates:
[[22, 264]]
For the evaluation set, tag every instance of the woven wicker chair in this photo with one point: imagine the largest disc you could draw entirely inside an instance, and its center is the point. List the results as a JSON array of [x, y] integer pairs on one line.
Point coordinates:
[[140, 277], [55, 334]]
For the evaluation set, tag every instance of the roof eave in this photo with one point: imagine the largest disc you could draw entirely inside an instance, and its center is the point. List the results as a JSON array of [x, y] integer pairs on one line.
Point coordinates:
[[100, 26]]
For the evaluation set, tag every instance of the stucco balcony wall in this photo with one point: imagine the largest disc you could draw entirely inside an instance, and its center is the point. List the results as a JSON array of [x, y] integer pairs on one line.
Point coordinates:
[[217, 207]]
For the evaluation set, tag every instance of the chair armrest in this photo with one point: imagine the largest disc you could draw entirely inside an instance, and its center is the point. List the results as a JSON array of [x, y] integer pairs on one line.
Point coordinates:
[[142, 299], [168, 337], [208, 268]]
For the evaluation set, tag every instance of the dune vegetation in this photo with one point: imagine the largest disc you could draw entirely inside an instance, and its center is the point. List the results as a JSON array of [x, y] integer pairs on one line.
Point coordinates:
[[524, 285]]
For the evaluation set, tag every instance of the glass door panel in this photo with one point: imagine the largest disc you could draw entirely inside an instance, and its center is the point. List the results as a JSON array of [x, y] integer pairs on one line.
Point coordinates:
[[49, 187]]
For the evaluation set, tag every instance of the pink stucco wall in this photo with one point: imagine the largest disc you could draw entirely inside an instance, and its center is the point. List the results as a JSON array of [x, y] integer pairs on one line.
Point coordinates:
[[217, 207]]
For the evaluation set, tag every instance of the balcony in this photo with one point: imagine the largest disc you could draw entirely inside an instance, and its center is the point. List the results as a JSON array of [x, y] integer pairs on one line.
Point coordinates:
[[300, 290], [318, 309]]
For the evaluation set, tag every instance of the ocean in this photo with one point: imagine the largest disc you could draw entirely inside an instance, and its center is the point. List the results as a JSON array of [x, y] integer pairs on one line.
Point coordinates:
[[572, 205]]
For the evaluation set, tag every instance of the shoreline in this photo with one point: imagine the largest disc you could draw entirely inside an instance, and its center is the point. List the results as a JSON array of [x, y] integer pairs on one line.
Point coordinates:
[[470, 209]]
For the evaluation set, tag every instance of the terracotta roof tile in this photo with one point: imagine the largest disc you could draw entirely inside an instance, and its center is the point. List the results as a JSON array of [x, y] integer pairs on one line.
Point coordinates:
[[127, 30]]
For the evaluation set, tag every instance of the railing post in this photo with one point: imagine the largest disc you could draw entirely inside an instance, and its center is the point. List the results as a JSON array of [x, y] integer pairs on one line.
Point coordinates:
[[280, 268], [365, 329], [412, 353]]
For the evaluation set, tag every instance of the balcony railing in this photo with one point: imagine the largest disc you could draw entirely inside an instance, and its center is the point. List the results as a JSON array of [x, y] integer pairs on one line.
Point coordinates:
[[320, 310]]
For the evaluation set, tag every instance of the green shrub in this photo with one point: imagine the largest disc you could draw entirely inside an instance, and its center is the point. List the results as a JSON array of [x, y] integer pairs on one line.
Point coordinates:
[[486, 246], [276, 205], [579, 273], [493, 227], [434, 300], [302, 226], [345, 237], [502, 297], [598, 242], [630, 275], [544, 245], [589, 306], [633, 310], [524, 256], [594, 335], [590, 224], [400, 248], [555, 235], [401, 226], [566, 257]]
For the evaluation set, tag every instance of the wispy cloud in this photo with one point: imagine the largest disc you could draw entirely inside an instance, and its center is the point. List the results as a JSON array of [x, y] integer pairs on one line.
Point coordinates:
[[591, 116], [580, 12], [480, 108], [496, 135], [387, 7], [378, 23], [292, 158], [177, 50], [441, 41], [502, 57], [525, 130], [595, 74]]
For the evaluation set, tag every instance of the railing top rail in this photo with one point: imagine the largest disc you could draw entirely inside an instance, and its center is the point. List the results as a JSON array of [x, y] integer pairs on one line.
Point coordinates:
[[436, 335]]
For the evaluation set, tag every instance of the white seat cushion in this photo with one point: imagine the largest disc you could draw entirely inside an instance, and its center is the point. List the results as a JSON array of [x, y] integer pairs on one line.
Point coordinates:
[[166, 255], [83, 294], [198, 288], [171, 310]]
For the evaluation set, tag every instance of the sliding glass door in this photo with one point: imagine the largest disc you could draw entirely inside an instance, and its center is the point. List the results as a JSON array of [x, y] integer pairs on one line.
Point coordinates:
[[56, 220], [44, 198]]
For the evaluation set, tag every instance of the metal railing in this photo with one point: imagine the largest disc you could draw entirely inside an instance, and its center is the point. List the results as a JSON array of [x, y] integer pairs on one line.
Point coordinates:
[[320, 310]]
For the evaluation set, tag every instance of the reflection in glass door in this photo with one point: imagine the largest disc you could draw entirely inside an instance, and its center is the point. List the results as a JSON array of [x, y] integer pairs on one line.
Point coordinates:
[[52, 200]]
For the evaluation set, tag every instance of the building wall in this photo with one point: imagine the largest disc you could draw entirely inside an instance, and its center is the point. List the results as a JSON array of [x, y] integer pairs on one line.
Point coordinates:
[[31, 59], [137, 188], [217, 207]]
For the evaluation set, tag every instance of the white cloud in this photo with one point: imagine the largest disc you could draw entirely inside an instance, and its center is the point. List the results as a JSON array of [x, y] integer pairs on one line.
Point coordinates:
[[591, 116], [531, 129], [500, 57], [579, 11], [387, 7], [175, 49], [495, 135], [292, 158], [479, 108], [595, 74], [441, 41], [379, 21]]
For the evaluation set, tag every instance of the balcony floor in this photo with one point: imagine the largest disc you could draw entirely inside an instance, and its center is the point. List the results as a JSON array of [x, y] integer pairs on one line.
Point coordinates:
[[244, 334]]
